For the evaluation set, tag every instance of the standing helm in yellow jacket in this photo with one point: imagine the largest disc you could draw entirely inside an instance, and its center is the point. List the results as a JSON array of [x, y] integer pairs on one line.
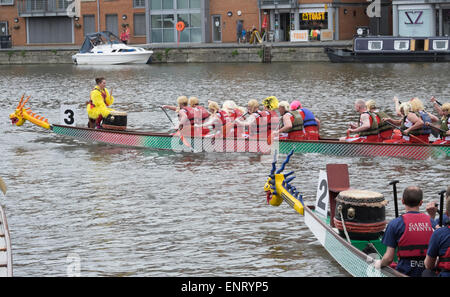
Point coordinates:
[[270, 102]]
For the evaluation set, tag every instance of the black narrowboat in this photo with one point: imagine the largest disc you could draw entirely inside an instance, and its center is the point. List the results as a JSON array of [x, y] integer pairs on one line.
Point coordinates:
[[389, 49]]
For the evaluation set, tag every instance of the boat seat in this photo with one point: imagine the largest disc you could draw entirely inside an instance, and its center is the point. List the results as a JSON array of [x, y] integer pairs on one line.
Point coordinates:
[[338, 181]]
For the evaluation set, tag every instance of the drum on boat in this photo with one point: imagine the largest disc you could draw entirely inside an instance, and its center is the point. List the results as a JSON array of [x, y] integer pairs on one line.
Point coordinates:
[[363, 213], [116, 120]]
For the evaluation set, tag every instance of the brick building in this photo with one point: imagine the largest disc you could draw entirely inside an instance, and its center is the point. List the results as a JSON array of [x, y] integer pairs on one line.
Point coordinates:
[[44, 22]]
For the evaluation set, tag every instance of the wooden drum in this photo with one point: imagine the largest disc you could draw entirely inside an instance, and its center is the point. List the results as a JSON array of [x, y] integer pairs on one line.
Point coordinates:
[[116, 120], [363, 213]]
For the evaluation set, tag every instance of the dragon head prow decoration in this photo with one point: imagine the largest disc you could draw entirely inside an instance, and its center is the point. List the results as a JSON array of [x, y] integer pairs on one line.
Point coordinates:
[[278, 187], [22, 114]]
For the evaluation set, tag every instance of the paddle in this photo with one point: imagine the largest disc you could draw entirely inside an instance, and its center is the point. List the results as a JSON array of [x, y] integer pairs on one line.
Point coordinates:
[[439, 103], [413, 136], [441, 209], [2, 186], [436, 128], [169, 117], [178, 133], [394, 189]]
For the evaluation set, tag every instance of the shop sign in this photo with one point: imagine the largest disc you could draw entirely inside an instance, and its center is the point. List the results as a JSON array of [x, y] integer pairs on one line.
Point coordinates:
[[414, 17], [299, 35], [326, 34], [313, 16]]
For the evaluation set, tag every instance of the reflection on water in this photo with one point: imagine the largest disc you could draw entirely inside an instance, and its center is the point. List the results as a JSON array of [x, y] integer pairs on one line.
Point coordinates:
[[134, 212]]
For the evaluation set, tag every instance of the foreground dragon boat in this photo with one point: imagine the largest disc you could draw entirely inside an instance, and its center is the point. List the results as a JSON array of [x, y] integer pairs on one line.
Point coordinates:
[[6, 269], [177, 142], [351, 230]]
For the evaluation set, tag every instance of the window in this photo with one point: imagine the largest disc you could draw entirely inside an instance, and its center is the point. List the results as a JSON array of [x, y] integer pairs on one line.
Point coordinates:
[[195, 4], [155, 4], [89, 24], [440, 45], [163, 27], [161, 4], [112, 23], [138, 3], [6, 2], [139, 24], [183, 4], [192, 31], [401, 45], [375, 45], [3, 28]]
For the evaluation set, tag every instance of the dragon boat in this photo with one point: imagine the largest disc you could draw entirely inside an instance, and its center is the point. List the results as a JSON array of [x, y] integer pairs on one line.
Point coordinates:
[[263, 145], [351, 230], [6, 264]]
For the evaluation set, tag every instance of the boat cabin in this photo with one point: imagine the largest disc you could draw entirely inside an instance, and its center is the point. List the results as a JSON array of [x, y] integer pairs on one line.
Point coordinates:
[[390, 44], [98, 38]]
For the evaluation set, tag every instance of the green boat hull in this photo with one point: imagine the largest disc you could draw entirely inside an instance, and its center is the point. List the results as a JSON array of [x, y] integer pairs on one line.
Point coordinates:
[[165, 141]]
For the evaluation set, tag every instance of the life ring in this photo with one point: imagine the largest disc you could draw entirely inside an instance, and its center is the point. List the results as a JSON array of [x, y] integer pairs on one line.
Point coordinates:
[[180, 26]]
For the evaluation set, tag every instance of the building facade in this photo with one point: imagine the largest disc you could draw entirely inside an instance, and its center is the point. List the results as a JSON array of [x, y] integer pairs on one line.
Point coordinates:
[[44, 22], [421, 18]]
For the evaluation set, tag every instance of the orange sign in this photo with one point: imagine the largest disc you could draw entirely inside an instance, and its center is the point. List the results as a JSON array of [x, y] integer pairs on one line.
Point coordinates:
[[180, 26], [299, 35]]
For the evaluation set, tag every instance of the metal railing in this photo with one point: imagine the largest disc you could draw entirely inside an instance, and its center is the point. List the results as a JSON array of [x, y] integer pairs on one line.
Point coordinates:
[[43, 7]]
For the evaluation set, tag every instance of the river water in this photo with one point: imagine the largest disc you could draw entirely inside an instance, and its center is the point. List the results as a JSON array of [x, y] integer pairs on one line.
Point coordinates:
[[117, 211]]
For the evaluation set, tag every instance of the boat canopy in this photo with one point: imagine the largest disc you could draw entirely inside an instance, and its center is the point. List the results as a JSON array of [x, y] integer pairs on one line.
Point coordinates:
[[94, 39]]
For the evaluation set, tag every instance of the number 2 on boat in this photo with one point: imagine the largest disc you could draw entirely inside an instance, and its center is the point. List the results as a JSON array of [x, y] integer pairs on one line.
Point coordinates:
[[322, 197]]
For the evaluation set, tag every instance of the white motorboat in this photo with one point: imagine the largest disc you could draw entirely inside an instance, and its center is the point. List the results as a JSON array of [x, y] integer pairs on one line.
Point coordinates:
[[106, 48]]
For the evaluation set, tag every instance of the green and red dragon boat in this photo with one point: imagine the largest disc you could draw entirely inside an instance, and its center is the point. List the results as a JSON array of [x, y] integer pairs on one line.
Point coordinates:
[[355, 246], [177, 142]]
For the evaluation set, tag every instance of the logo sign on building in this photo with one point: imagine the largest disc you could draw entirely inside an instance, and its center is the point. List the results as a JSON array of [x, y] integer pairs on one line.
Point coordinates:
[[299, 35], [414, 17], [74, 8], [313, 16], [374, 9]]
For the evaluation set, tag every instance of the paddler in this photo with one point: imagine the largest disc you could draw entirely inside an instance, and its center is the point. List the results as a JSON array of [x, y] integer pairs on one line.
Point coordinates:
[[185, 114], [311, 124], [427, 118], [432, 210], [444, 128], [439, 246], [97, 107], [217, 122], [291, 123], [411, 123], [409, 234], [200, 115], [385, 130], [253, 121], [368, 127], [270, 105], [234, 112]]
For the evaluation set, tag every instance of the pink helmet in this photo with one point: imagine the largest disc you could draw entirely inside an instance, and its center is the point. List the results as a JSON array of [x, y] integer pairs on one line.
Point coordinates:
[[295, 105]]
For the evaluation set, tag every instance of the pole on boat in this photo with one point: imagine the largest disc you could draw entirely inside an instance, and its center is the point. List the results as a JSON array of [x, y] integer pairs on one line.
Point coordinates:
[[394, 189], [441, 209]]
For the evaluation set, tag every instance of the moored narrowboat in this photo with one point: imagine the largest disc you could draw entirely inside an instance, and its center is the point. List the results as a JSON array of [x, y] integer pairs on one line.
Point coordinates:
[[390, 49]]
